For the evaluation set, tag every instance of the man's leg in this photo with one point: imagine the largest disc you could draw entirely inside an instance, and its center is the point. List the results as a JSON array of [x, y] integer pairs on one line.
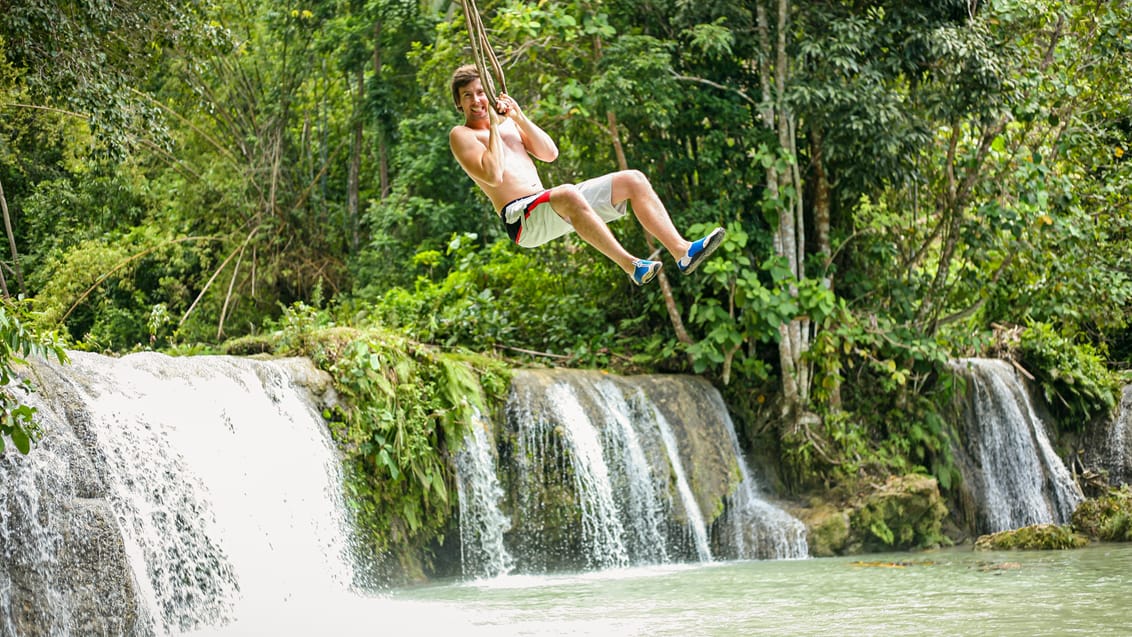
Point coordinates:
[[571, 206], [649, 210]]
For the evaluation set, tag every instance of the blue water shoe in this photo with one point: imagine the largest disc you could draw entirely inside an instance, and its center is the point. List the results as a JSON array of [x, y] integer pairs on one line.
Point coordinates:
[[700, 251], [644, 271]]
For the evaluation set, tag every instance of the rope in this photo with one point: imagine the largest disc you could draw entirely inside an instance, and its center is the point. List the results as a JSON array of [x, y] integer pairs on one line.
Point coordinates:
[[482, 53]]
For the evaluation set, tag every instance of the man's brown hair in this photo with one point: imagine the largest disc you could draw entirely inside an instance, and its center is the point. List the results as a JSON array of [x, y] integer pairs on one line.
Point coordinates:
[[461, 77]]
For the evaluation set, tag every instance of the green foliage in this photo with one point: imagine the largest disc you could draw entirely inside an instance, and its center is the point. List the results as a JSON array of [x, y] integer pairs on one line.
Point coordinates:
[[83, 57], [121, 294], [17, 342], [879, 390], [510, 299], [404, 411], [737, 309], [1073, 376]]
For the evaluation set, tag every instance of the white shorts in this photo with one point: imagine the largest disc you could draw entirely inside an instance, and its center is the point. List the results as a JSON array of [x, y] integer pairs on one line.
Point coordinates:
[[531, 221]]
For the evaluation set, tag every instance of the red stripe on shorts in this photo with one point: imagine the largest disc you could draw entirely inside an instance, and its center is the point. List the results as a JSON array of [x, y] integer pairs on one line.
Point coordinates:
[[544, 197]]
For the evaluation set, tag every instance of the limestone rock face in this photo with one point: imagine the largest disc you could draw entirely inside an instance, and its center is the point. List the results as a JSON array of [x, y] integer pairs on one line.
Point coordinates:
[[827, 530], [701, 435]]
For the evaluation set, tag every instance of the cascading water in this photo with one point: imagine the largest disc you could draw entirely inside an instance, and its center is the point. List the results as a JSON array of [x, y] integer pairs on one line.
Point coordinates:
[[602, 531], [482, 524], [1008, 464], [691, 509], [1114, 454], [642, 502], [757, 528], [202, 495], [644, 458], [217, 474]]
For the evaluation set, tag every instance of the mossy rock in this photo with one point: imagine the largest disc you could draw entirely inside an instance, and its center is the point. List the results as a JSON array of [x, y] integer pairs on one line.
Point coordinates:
[[1107, 518], [827, 530], [250, 345], [1036, 537], [907, 512]]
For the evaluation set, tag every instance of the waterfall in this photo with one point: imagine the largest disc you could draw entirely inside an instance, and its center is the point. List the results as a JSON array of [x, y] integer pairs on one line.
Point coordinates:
[[757, 528], [1114, 454], [216, 473], [1008, 464], [607, 471], [687, 498], [482, 524], [602, 530], [202, 495], [643, 511]]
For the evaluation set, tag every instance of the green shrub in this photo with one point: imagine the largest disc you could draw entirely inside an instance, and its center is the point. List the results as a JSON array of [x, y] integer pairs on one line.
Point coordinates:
[[513, 300], [404, 409], [1073, 376], [18, 341]]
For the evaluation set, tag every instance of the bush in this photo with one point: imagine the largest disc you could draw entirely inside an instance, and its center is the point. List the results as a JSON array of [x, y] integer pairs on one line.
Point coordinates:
[[405, 409], [513, 300], [17, 341], [1073, 376]]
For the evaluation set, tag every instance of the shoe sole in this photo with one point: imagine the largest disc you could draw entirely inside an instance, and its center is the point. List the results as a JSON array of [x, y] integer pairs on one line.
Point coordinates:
[[648, 277], [714, 241]]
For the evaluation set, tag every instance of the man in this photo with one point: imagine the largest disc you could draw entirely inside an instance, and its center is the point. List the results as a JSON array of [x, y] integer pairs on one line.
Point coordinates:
[[495, 147]]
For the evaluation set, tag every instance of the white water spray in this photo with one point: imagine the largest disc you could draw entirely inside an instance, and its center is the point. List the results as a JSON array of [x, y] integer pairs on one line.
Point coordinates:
[[643, 503], [1020, 480], [696, 523], [1115, 455], [221, 477], [759, 530], [602, 530], [482, 524]]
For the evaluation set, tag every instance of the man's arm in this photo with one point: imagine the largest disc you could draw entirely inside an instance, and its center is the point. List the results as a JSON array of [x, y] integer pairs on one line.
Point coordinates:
[[483, 163], [537, 142]]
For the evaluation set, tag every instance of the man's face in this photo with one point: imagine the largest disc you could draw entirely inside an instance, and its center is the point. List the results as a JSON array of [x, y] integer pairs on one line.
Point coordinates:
[[473, 101]]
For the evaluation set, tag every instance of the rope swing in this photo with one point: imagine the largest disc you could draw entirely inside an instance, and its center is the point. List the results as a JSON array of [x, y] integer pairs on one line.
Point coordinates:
[[482, 53]]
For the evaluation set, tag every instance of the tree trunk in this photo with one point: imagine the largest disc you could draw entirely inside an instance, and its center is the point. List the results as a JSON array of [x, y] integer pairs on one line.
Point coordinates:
[[382, 147], [353, 178], [789, 239], [12, 246], [822, 223]]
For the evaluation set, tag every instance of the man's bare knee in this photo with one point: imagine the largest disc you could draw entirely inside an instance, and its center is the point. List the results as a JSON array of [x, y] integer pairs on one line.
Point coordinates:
[[637, 178], [631, 184], [568, 201]]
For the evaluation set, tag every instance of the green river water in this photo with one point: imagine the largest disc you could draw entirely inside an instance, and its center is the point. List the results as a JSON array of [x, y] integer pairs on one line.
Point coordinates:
[[949, 592]]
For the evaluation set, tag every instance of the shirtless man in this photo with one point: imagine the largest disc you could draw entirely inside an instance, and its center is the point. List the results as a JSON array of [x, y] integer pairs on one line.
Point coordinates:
[[495, 147]]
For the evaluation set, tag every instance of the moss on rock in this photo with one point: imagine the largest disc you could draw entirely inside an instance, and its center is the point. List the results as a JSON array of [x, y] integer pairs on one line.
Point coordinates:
[[827, 530], [1107, 518], [1036, 537], [907, 512]]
